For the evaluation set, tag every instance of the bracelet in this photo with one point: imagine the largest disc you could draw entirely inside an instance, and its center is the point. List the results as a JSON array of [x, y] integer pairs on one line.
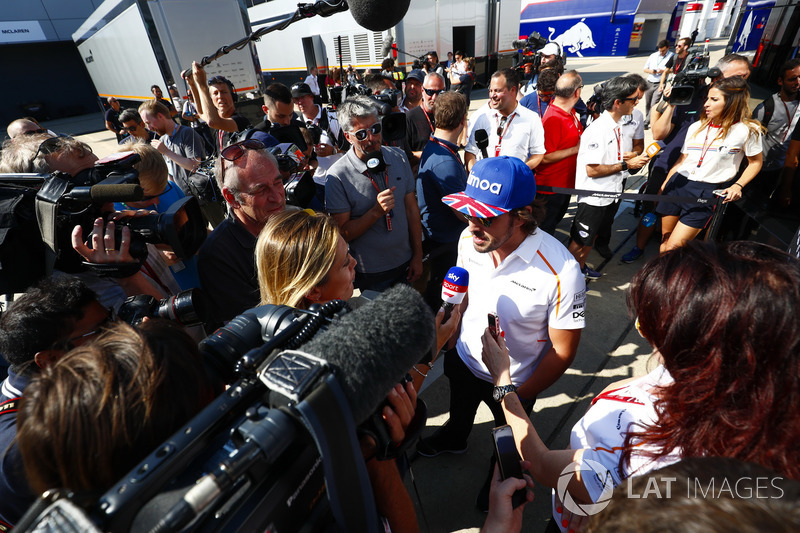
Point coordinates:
[[418, 371], [739, 184]]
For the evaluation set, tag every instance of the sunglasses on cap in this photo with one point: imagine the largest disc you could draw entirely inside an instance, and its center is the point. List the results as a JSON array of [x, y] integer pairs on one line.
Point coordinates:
[[236, 150], [375, 129], [52, 145], [34, 132], [433, 92], [485, 222]]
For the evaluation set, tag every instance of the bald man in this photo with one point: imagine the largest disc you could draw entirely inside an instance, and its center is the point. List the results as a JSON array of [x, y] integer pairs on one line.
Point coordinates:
[[23, 126]]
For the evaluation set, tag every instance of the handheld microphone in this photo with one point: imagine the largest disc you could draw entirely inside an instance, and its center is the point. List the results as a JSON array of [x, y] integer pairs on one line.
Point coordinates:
[[101, 194], [454, 287], [482, 140], [654, 148], [378, 15]]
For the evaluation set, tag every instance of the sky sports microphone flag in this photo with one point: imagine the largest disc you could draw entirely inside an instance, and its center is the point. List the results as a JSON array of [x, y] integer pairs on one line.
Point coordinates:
[[454, 287]]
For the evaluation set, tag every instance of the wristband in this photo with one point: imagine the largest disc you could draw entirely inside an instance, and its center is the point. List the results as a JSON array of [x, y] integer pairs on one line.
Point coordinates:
[[739, 184]]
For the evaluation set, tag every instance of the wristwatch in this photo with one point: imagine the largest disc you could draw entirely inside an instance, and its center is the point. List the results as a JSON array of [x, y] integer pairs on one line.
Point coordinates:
[[624, 165], [499, 392]]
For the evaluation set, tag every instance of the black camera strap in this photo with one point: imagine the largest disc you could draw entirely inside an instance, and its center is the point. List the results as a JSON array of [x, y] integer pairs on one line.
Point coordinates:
[[327, 415]]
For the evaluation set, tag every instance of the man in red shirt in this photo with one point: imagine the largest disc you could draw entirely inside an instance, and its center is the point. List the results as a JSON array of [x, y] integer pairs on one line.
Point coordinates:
[[562, 137]]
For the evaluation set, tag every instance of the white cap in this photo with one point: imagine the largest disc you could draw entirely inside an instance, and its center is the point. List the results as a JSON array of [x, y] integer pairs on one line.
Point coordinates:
[[550, 49]]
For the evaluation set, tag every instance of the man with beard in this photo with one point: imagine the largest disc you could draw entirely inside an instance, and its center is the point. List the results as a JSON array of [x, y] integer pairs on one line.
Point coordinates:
[[361, 193], [524, 277]]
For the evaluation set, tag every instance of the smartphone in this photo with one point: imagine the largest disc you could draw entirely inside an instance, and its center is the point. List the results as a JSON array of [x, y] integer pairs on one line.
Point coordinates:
[[494, 325], [720, 192], [508, 459]]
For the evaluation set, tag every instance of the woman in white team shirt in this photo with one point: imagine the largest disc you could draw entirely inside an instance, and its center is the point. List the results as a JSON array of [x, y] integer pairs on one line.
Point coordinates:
[[712, 153], [722, 321]]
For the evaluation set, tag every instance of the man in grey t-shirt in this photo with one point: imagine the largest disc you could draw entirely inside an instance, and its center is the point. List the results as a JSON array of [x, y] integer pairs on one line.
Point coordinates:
[[370, 194]]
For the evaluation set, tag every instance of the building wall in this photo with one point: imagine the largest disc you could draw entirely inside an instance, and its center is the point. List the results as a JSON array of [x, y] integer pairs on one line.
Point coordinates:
[[37, 52]]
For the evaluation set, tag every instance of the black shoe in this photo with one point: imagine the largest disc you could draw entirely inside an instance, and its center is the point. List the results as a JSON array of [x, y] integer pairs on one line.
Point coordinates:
[[439, 443], [604, 251], [482, 501]]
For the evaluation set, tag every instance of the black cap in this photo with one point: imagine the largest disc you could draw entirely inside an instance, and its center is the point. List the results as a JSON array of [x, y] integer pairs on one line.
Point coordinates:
[[300, 89]]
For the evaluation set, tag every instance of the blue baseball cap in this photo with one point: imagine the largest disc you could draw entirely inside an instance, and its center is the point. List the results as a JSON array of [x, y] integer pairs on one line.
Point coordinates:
[[495, 186]]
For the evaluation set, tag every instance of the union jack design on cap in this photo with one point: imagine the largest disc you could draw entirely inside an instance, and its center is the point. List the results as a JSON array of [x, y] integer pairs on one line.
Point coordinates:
[[494, 187]]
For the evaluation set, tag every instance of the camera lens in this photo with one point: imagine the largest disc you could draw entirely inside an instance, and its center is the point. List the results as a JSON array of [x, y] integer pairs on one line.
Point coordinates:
[[187, 308]]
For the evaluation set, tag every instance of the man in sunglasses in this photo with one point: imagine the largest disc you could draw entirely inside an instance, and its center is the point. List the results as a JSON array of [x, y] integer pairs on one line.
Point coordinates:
[[512, 129], [370, 194], [38, 328], [248, 176], [133, 125], [23, 126], [421, 121], [603, 161], [524, 277]]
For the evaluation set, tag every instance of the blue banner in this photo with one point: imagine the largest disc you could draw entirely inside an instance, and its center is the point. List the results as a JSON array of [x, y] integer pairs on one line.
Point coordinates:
[[754, 20], [585, 36]]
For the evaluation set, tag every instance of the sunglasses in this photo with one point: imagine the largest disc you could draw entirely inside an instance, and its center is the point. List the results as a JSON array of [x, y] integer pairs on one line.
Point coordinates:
[[433, 92], [237, 150], [129, 129], [375, 129], [634, 99], [485, 222], [34, 132], [501, 126], [52, 145]]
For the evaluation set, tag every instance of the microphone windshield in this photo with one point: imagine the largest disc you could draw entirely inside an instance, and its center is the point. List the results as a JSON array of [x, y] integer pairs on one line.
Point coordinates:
[[102, 194], [654, 148], [375, 346], [378, 15], [454, 286], [481, 138]]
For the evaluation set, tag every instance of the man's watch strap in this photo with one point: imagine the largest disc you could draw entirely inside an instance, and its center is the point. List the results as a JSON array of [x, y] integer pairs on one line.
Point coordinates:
[[499, 392], [624, 165]]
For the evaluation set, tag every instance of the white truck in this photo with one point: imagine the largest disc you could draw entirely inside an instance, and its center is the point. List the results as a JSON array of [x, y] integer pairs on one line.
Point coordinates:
[[130, 45], [479, 28]]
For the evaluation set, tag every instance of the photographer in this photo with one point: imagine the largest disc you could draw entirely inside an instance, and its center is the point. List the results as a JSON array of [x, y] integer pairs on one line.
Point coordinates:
[[669, 123], [44, 154]]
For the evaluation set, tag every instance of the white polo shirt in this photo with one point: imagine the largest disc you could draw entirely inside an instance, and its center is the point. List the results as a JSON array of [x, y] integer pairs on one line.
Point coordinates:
[[523, 134], [539, 285], [721, 157], [601, 144]]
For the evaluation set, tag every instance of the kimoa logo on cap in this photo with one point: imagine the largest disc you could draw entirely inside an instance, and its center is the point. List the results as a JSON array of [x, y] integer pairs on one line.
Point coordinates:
[[484, 185]]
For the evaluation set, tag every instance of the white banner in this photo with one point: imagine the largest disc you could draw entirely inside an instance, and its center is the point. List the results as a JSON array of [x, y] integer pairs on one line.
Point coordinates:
[[21, 31]]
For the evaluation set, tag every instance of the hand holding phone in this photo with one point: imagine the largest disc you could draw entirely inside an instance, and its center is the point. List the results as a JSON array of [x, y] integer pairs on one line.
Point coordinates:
[[508, 459], [494, 325]]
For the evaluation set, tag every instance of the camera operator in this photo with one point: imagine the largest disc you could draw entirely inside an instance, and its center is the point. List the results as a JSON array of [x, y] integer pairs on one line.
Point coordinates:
[[38, 328], [669, 124], [432, 63], [675, 64], [280, 121], [331, 144], [44, 154], [550, 58], [137, 387]]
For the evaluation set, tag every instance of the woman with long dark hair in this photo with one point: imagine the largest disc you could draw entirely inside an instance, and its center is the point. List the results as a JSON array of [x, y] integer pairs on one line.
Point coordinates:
[[724, 322], [712, 153]]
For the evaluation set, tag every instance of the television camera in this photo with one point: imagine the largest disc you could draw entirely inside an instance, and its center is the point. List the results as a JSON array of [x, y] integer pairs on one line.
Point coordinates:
[[278, 450], [688, 80], [43, 209], [528, 60]]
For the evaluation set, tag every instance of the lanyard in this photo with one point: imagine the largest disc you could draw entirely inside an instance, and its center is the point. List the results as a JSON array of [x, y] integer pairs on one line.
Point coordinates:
[[618, 135], [378, 189], [500, 138], [443, 145], [705, 149], [792, 120], [428, 118]]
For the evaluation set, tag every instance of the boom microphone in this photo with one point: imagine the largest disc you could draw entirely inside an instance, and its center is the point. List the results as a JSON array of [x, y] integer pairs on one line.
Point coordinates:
[[386, 47], [482, 140], [376, 345], [101, 194], [378, 15], [454, 287]]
